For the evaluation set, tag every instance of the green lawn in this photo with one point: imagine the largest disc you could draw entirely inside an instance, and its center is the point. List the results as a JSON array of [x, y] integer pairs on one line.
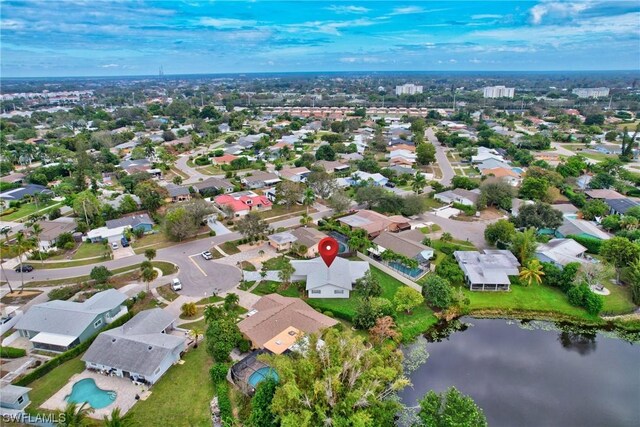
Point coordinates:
[[535, 298], [167, 292], [618, 301], [230, 248], [29, 208], [181, 397], [247, 266], [167, 268], [89, 250], [279, 210], [199, 324], [45, 387], [276, 263], [432, 203], [266, 287], [209, 300]]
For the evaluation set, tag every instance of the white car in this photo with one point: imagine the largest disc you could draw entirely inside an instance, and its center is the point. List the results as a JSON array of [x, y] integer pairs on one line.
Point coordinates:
[[176, 285], [207, 255], [114, 245]]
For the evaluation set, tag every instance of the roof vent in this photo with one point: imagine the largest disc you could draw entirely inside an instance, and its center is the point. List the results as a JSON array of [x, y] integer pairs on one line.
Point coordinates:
[[113, 340], [278, 342], [149, 348], [292, 333]]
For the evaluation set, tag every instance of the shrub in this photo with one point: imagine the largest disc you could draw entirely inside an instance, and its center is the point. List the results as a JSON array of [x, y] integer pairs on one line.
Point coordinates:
[[12, 352], [188, 309], [65, 292], [244, 346], [224, 403], [202, 161], [218, 372], [328, 313], [592, 244]]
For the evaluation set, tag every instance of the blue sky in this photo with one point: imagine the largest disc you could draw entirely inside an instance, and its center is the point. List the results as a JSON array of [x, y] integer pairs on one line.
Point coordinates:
[[134, 37]]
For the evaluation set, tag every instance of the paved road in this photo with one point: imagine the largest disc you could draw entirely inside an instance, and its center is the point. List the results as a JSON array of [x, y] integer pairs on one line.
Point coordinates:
[[194, 174], [462, 230], [441, 158]]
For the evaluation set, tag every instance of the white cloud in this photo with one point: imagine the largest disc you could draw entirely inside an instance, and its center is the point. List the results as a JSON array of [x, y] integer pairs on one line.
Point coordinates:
[[486, 16], [227, 22], [348, 60], [407, 10], [110, 66], [348, 9], [556, 10], [326, 27], [453, 61], [475, 61], [11, 24]]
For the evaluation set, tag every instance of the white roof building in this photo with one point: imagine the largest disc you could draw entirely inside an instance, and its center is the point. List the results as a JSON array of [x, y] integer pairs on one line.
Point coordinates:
[[335, 281]]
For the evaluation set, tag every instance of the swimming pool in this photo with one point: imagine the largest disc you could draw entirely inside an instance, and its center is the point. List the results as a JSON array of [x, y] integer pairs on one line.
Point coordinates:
[[342, 248], [87, 390], [413, 272], [262, 374]]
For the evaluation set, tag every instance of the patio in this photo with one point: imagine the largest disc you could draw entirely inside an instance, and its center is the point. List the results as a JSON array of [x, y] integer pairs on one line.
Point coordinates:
[[126, 393]]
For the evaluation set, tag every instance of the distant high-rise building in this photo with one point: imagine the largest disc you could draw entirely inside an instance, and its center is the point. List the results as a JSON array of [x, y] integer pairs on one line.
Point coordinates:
[[499, 92], [591, 92], [408, 89]]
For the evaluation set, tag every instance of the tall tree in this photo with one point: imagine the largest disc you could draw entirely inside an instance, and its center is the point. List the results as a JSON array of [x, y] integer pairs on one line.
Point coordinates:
[[261, 414], [500, 232], [87, 206], [449, 409], [286, 271], [538, 215], [288, 193], [148, 276], [532, 272], [523, 245], [620, 252], [23, 245], [419, 182], [74, 415], [308, 198], [150, 254], [252, 226], [321, 183], [37, 231], [357, 383]]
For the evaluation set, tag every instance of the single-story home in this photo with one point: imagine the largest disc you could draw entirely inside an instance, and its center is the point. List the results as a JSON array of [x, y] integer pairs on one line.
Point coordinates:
[[243, 202], [397, 243], [507, 175], [13, 178], [134, 222], [488, 271], [561, 252], [274, 314], [603, 194], [335, 281], [115, 203], [213, 186], [295, 174], [360, 177], [260, 179], [304, 236], [332, 166], [142, 349], [21, 192], [579, 227], [459, 195], [224, 159], [375, 223], [621, 206], [14, 397], [60, 325], [178, 193], [51, 230]]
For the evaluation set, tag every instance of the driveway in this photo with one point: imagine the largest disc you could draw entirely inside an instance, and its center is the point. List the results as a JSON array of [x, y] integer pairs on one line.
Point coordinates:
[[472, 231], [123, 252], [441, 158]]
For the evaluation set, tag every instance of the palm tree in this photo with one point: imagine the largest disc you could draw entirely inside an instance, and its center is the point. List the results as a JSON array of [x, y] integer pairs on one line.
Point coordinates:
[[419, 182], [532, 272], [305, 220], [212, 312], [149, 254], [286, 272], [523, 244], [148, 276], [37, 230], [117, 420], [23, 245], [75, 416], [196, 333], [231, 300], [6, 232], [308, 198]]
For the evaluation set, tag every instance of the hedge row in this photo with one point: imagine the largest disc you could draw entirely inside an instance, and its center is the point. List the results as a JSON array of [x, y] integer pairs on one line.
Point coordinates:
[[224, 403], [592, 244], [47, 367], [12, 352]]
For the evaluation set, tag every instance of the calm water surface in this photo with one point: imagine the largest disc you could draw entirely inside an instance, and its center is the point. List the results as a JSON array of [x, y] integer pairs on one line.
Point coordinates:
[[531, 375]]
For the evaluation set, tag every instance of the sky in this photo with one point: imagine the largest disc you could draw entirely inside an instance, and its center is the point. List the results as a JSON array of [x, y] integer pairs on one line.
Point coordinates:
[[135, 37]]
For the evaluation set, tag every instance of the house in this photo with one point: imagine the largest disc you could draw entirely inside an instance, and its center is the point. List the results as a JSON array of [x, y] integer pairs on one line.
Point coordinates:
[[485, 153], [243, 202], [212, 186], [375, 223], [274, 314], [402, 170], [517, 204], [224, 127], [13, 178], [224, 159], [561, 252], [260, 179], [142, 349], [492, 164], [335, 281], [360, 177], [21, 192], [133, 166], [402, 146], [14, 397], [488, 271], [101, 234], [303, 237], [295, 174], [507, 175], [459, 195], [134, 222], [332, 166], [115, 203], [603, 194], [401, 157], [572, 226], [178, 193], [399, 244], [60, 325], [51, 230], [621, 206]]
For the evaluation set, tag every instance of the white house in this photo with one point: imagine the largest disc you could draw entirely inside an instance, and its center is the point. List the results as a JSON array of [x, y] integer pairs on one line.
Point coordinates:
[[142, 349], [459, 195], [335, 281], [561, 252]]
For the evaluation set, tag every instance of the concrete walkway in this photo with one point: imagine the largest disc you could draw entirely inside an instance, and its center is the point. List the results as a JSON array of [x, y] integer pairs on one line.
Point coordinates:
[[251, 276]]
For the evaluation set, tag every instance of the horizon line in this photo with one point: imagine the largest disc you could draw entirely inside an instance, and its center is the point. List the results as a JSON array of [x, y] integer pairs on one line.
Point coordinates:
[[320, 72]]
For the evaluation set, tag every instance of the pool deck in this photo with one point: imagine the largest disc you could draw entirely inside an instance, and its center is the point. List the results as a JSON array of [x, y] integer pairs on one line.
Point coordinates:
[[125, 389]]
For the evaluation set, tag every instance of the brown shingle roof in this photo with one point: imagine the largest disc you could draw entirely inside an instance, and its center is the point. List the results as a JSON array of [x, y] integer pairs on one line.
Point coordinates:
[[276, 313]]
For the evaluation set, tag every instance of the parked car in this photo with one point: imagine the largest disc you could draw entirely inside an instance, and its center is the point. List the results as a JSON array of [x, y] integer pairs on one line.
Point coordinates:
[[207, 255], [114, 245], [176, 285], [27, 268], [390, 184], [5, 229], [124, 242]]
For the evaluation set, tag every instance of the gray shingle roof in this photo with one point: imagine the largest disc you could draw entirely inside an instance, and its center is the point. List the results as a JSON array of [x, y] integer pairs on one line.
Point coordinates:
[[68, 317], [131, 221], [342, 273], [10, 393], [491, 267], [621, 205], [139, 346]]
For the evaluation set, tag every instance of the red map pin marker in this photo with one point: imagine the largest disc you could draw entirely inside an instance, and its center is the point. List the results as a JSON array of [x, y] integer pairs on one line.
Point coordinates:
[[328, 248]]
